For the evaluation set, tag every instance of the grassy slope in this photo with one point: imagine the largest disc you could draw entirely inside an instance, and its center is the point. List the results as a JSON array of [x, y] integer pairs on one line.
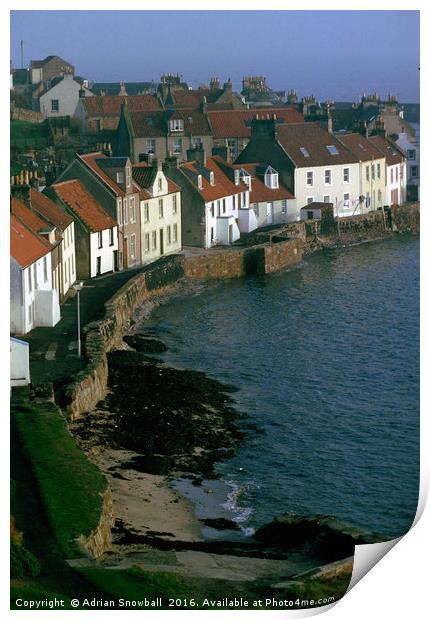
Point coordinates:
[[69, 485]]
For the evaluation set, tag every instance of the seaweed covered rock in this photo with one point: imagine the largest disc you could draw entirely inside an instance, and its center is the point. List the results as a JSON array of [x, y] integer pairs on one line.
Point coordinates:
[[143, 344]]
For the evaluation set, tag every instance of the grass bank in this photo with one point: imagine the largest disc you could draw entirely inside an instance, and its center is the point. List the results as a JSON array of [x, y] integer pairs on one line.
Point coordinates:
[[69, 485]]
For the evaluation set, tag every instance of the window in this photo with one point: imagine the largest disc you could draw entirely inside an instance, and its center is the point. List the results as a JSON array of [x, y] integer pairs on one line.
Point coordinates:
[[379, 198], [223, 205], [128, 175], [367, 173], [100, 239], [200, 181], [110, 236], [196, 143], [332, 149], [160, 208], [146, 243], [373, 172], [326, 198], [133, 246], [212, 234], [150, 147], [236, 177], [327, 177], [119, 212], [55, 106], [30, 313], [346, 175], [175, 233], [411, 154], [160, 184], [346, 200], [73, 266], [218, 208], [414, 172], [45, 269], [256, 209], [304, 151], [176, 124], [146, 212], [309, 200], [392, 175], [378, 170], [367, 199], [212, 178], [177, 146], [397, 174], [120, 177], [284, 207], [212, 209], [174, 204], [309, 178], [125, 212], [169, 235], [310, 215], [132, 208], [154, 240]]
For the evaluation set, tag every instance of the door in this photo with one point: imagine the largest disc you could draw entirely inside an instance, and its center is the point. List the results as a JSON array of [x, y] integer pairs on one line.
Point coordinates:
[[270, 212], [99, 265], [115, 260], [230, 233], [161, 241], [394, 199], [125, 255]]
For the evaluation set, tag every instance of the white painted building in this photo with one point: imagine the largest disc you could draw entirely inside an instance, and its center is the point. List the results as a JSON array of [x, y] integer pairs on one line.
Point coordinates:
[[19, 362], [160, 212], [62, 96], [412, 152], [396, 173], [33, 300]]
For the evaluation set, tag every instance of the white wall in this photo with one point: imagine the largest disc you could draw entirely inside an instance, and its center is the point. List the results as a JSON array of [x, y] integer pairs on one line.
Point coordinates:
[[68, 258], [67, 94], [19, 362], [319, 189], [155, 224], [231, 210], [398, 186], [105, 252]]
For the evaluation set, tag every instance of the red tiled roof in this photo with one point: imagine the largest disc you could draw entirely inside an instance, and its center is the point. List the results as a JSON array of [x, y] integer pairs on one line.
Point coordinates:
[[84, 205], [29, 218], [49, 210], [393, 154], [259, 190], [315, 140], [26, 247], [110, 105], [89, 160], [236, 123], [222, 187], [360, 146]]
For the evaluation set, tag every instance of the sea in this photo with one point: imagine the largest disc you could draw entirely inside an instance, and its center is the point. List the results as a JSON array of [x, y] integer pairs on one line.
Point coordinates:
[[325, 358]]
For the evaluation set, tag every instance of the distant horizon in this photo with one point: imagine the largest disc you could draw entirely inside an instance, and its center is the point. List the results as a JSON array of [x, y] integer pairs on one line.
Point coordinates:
[[323, 53]]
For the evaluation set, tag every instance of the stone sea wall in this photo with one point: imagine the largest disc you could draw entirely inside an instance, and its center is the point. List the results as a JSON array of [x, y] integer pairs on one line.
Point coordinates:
[[98, 541]]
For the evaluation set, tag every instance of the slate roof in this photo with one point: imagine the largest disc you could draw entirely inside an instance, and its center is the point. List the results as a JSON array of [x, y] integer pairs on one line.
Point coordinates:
[[315, 140], [26, 247], [155, 124], [132, 88], [90, 160], [83, 205], [50, 211], [363, 148], [109, 105], [393, 154], [144, 175], [237, 123], [223, 185]]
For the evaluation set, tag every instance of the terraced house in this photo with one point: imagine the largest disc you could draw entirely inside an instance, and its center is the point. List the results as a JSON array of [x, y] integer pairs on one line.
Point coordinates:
[[160, 134], [211, 199], [109, 180], [312, 164], [160, 211], [395, 170]]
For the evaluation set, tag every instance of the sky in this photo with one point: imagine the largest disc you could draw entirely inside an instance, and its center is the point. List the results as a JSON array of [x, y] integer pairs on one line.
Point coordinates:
[[332, 54]]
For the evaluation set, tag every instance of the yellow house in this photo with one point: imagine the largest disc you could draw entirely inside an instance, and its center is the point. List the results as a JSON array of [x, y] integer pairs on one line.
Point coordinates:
[[160, 211], [372, 171]]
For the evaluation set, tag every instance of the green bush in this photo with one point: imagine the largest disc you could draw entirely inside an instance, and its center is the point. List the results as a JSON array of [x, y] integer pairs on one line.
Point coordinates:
[[22, 562]]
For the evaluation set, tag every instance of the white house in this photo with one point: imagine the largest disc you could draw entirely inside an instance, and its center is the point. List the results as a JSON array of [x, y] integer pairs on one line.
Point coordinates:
[[19, 362], [396, 174], [412, 151], [96, 232], [160, 211], [212, 199], [33, 300], [312, 164], [62, 96]]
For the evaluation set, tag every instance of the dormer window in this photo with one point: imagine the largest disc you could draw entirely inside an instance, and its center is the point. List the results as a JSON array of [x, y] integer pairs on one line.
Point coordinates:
[[236, 177], [332, 149], [128, 176], [271, 179], [212, 178], [200, 181], [160, 184], [120, 177], [176, 124]]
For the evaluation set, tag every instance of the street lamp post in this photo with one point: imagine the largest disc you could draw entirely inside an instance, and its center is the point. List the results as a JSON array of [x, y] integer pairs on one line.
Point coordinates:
[[78, 287]]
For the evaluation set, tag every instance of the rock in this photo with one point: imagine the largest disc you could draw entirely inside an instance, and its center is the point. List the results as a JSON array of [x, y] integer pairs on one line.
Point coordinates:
[[143, 344], [221, 524], [321, 535]]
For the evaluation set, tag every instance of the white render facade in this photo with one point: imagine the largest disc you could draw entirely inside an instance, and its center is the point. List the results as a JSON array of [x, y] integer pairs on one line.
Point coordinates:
[[395, 191], [103, 244], [62, 99], [338, 184], [412, 152], [68, 258], [33, 299], [220, 219]]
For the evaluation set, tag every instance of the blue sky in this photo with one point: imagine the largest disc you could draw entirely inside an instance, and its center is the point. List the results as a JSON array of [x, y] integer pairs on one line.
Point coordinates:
[[331, 54]]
